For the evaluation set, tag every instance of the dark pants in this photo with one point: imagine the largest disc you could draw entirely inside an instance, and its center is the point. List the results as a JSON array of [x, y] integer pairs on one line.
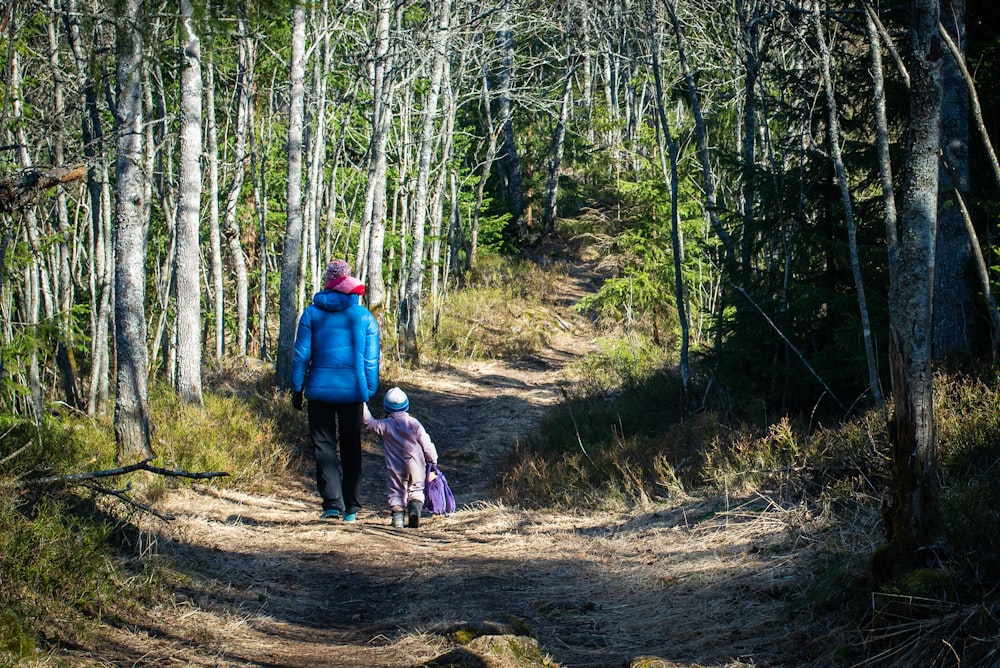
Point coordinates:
[[338, 480]]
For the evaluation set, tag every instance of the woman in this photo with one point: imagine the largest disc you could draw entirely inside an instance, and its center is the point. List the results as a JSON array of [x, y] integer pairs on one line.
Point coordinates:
[[336, 368]]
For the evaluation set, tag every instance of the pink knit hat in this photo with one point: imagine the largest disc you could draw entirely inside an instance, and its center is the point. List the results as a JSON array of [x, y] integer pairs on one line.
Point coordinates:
[[338, 278]]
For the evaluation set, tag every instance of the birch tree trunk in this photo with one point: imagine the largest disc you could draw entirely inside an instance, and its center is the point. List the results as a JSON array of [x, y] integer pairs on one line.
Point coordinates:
[[230, 225], [553, 163], [31, 299], [508, 160], [701, 133], [373, 222], [910, 521], [488, 159], [214, 227], [60, 253], [187, 273], [291, 255], [409, 312], [833, 128], [671, 177], [99, 238], [132, 436]]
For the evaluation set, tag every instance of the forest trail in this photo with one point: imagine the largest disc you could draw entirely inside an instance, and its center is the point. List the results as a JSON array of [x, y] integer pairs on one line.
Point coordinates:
[[270, 584]]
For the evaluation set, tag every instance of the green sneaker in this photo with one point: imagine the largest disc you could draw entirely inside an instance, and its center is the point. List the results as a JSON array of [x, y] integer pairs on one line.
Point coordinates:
[[330, 514], [351, 518]]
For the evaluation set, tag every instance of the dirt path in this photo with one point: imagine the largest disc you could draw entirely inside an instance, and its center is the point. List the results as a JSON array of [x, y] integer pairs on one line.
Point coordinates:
[[273, 585]]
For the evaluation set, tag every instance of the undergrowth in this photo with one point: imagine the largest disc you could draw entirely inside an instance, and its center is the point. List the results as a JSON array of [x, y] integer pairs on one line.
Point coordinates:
[[73, 551], [629, 438], [497, 313]]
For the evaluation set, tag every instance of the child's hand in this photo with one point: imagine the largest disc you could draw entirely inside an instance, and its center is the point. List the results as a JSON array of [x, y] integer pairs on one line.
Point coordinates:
[[432, 476]]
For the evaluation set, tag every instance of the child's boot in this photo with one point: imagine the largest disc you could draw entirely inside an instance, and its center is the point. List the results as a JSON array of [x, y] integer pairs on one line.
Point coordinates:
[[413, 510], [397, 518]]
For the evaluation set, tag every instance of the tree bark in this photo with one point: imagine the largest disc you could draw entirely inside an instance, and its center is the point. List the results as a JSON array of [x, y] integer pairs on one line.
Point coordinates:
[[555, 157], [373, 223], [409, 312], [291, 255], [701, 133], [188, 262], [670, 175], [230, 225], [132, 435], [508, 160], [214, 226], [911, 521]]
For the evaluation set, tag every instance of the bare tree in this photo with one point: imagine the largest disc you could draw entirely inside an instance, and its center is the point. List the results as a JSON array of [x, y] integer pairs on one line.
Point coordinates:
[[955, 284], [188, 262], [833, 131], [669, 166], [373, 219], [214, 225], [409, 318], [508, 159], [246, 54], [291, 256], [911, 520], [132, 435]]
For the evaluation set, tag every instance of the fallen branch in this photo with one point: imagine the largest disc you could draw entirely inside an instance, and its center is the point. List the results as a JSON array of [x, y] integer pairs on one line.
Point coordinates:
[[121, 470], [22, 189], [122, 495]]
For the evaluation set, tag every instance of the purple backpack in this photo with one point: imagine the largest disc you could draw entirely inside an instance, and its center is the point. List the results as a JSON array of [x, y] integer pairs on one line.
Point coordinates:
[[438, 498]]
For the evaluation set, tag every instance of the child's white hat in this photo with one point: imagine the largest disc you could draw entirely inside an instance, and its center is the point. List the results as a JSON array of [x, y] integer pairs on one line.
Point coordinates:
[[395, 401]]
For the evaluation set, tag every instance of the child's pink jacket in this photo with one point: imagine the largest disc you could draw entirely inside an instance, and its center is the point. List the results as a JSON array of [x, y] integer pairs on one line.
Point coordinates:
[[408, 448]]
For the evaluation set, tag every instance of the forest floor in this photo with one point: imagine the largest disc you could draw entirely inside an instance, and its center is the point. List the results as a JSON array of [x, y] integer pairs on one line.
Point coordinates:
[[704, 582]]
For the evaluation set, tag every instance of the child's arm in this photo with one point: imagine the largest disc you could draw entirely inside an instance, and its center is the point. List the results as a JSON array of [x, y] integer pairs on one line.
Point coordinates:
[[366, 417], [430, 452]]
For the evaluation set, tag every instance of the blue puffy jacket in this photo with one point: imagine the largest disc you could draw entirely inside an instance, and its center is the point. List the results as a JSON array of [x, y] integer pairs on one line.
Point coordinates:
[[336, 350]]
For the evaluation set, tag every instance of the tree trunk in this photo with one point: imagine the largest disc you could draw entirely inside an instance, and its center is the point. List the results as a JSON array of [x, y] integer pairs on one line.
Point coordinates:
[[99, 237], [62, 277], [187, 273], [701, 133], [833, 128], [955, 284], [132, 436], [488, 158], [409, 312], [911, 520], [373, 222], [555, 157], [291, 256], [671, 177], [214, 227], [508, 160], [231, 226]]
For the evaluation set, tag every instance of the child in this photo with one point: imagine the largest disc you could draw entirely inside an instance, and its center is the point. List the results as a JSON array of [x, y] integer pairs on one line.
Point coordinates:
[[408, 450]]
